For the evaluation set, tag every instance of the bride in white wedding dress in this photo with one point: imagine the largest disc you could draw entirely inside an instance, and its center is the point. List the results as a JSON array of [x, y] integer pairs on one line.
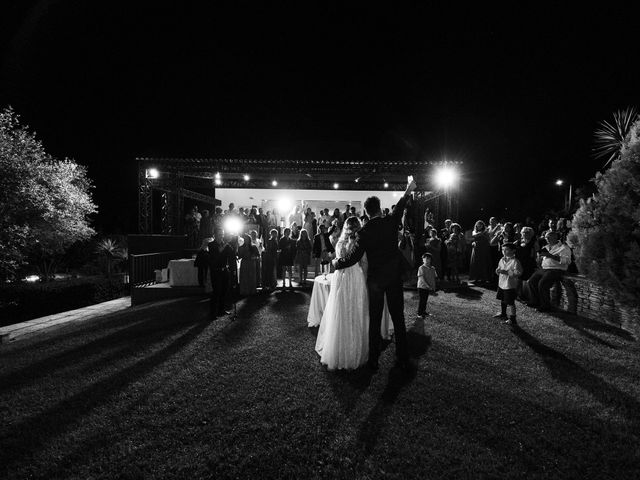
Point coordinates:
[[343, 336]]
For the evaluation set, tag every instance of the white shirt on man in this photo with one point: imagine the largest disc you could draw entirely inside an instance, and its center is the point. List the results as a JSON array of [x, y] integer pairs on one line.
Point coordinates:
[[563, 251]]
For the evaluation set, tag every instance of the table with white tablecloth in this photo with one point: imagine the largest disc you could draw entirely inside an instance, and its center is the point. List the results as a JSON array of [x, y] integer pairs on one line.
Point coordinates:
[[182, 273], [319, 297]]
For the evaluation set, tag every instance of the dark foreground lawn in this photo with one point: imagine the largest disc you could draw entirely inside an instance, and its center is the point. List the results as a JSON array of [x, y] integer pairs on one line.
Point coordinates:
[[163, 392]]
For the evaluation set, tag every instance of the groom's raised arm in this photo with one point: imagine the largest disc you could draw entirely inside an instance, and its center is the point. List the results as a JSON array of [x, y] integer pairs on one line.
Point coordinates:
[[355, 255], [399, 208]]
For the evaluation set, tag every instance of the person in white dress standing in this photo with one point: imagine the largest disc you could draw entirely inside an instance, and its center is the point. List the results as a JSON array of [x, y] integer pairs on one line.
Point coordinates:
[[343, 337]]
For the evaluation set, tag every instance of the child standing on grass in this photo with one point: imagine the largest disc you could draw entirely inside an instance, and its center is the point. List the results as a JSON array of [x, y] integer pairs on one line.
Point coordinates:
[[426, 282], [509, 271]]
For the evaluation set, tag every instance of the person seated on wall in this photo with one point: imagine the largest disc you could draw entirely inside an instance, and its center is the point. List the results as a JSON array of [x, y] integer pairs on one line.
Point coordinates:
[[556, 257]]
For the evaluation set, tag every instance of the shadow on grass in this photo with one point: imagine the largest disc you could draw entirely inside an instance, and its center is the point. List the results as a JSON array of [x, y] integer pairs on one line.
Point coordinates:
[[567, 371], [585, 326], [313, 331], [373, 425], [22, 438], [146, 331], [469, 293], [246, 316], [349, 385], [286, 299]]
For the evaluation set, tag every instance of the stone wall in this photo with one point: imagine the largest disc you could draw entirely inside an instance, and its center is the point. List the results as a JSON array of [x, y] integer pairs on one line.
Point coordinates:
[[596, 302]]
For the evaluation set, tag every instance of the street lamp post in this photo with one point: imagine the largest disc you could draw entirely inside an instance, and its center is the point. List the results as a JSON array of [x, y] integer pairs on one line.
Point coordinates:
[[567, 198]]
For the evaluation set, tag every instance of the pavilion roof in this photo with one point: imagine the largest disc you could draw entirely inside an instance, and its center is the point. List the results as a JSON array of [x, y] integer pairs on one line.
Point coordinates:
[[301, 173]]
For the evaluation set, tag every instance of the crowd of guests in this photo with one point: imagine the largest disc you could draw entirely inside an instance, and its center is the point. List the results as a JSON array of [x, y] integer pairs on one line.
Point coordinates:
[[266, 245], [521, 259]]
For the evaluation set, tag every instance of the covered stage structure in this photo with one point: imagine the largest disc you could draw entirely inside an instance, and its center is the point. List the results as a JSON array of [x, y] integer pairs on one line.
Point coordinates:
[[169, 187]]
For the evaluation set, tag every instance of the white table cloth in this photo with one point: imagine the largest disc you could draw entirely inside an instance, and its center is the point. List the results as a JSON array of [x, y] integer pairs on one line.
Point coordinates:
[[319, 297], [182, 273]]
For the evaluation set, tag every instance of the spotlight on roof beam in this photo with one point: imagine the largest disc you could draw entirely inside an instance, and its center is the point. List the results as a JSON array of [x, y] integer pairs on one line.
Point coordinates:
[[274, 183], [335, 186], [152, 173], [246, 177], [218, 181], [446, 177], [386, 185], [217, 176]]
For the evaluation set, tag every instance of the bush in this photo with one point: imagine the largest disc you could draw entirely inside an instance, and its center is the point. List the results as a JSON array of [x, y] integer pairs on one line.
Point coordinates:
[[607, 227], [25, 301]]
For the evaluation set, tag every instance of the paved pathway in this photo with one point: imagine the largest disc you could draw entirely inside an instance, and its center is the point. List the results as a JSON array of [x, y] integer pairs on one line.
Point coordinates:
[[22, 330]]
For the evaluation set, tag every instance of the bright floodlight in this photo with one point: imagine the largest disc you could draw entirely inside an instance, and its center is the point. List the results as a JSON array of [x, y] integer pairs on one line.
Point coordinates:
[[559, 182], [246, 178], [446, 177], [274, 183], [284, 205], [232, 225], [152, 173], [217, 175], [386, 185], [335, 185], [218, 181]]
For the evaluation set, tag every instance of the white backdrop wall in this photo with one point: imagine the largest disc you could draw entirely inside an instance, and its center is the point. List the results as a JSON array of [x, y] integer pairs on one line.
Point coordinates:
[[268, 198]]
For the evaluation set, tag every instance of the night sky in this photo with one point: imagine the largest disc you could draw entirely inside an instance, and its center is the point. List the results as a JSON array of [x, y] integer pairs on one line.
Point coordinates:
[[516, 95]]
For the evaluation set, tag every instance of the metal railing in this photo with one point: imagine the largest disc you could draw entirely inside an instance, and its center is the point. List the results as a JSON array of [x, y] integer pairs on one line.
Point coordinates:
[[142, 267]]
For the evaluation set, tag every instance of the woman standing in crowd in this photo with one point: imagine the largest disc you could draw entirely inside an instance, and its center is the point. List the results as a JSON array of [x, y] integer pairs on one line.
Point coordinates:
[[308, 223], [405, 244], [269, 277], [256, 243], [272, 221], [444, 236], [295, 231], [455, 252], [480, 265], [286, 255], [434, 247], [247, 254], [303, 256], [336, 217]]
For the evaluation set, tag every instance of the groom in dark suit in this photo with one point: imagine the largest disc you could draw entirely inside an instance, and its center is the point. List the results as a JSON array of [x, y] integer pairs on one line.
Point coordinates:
[[379, 240]]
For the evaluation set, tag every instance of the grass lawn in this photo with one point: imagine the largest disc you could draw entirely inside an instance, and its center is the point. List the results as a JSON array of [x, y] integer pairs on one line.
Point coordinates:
[[164, 393]]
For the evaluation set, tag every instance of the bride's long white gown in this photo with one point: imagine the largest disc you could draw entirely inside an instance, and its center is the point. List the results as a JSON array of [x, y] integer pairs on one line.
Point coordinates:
[[343, 336]]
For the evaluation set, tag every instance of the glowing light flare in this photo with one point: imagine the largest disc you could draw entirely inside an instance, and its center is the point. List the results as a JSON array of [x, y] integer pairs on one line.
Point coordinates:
[[218, 181], [152, 173], [446, 177], [559, 182], [284, 205], [386, 185], [335, 186], [233, 225], [246, 177], [274, 183]]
